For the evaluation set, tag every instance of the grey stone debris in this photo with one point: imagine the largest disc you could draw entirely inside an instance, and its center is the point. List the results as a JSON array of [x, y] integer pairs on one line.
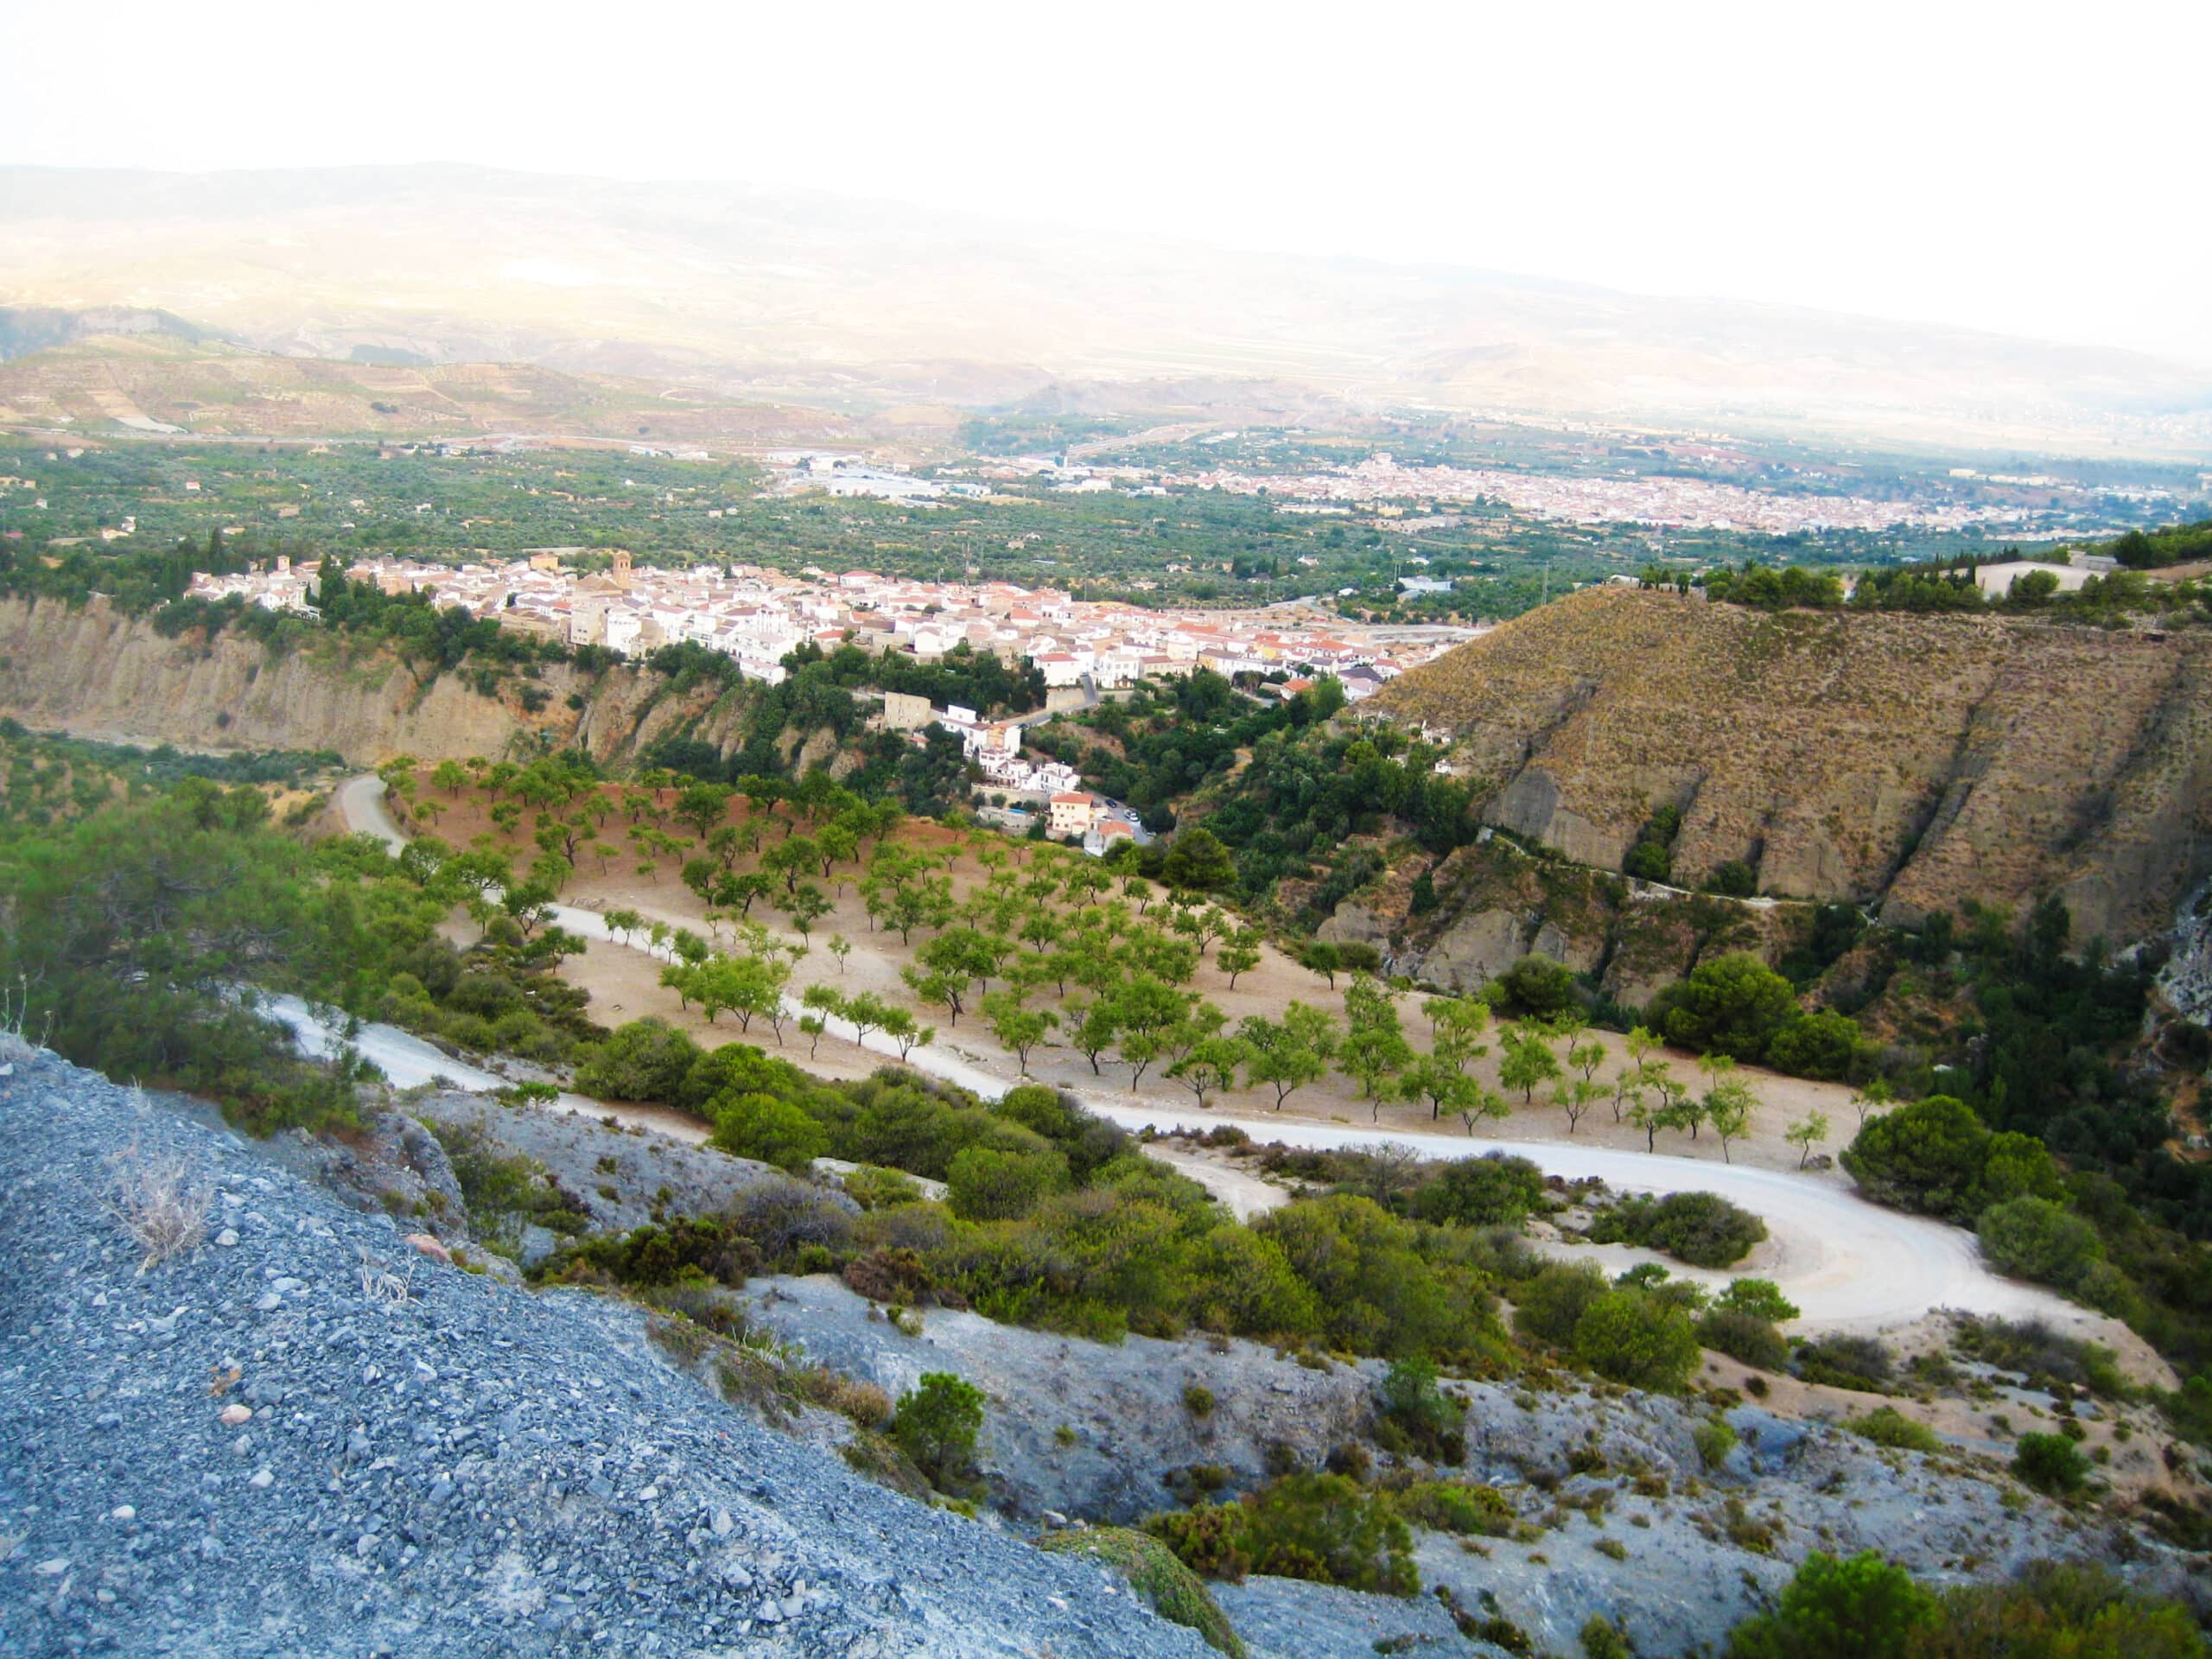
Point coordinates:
[[460, 1473]]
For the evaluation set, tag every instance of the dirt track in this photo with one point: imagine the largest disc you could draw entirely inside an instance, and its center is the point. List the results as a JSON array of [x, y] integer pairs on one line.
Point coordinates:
[[1847, 1263]]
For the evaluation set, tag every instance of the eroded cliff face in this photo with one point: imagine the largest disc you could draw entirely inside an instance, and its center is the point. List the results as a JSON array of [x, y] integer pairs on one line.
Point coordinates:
[[95, 672], [1911, 762]]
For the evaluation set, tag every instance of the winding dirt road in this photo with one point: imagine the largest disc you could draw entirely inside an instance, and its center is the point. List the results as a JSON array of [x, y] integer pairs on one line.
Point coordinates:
[[1847, 1263]]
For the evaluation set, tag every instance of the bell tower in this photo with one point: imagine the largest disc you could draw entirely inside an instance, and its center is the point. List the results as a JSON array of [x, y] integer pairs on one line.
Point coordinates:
[[622, 568]]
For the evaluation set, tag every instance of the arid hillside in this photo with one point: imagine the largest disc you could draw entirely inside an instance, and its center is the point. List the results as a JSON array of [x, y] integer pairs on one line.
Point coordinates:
[[153, 382], [1915, 761], [790, 297], [98, 673]]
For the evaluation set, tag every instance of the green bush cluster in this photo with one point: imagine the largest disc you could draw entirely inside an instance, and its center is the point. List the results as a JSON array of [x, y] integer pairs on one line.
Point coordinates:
[[1738, 1006], [1168, 1587], [1325, 1529], [1887, 1426], [1628, 1333], [1868, 1608], [1702, 1229]]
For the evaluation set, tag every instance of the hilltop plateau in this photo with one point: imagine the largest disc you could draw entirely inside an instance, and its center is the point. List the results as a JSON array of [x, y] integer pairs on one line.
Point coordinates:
[[148, 380], [1914, 762]]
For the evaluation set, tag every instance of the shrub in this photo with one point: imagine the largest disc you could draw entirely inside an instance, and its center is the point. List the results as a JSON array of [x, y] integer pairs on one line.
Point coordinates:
[[1636, 1338], [2071, 1609], [1537, 986], [1887, 1426], [986, 1183], [1449, 1506], [1198, 1400], [2050, 1463], [1548, 1307], [1325, 1528], [644, 1059], [1168, 1587], [1715, 1439], [159, 1203], [1864, 1608], [875, 1188], [1822, 1045], [878, 1459], [1932, 1156], [1603, 1639], [1731, 1005], [1760, 1297], [1384, 1284], [774, 1131], [1492, 1190], [1417, 1417], [1702, 1229], [2033, 1349], [936, 1424], [1208, 1538], [891, 1274], [2034, 1238], [1746, 1337], [1846, 1362]]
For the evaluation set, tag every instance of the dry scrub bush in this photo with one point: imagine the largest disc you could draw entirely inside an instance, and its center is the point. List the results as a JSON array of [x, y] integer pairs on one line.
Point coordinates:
[[156, 1202]]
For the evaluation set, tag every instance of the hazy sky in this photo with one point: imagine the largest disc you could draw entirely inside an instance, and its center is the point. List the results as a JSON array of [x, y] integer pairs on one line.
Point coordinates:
[[2032, 169]]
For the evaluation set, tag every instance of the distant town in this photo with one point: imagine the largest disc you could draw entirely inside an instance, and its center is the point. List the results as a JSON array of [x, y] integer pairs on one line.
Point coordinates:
[[1662, 502], [757, 616]]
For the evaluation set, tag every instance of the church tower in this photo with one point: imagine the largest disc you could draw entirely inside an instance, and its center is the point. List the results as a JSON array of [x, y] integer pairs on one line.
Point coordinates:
[[622, 568]]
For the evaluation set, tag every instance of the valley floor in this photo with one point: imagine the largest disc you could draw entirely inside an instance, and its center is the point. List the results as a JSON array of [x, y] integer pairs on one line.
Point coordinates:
[[1849, 1264]]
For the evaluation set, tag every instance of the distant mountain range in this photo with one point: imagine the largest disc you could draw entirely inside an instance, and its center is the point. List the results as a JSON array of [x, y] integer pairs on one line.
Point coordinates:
[[733, 292]]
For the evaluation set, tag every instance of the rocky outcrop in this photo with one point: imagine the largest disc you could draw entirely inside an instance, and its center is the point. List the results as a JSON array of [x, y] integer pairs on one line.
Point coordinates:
[[1908, 762], [304, 1434]]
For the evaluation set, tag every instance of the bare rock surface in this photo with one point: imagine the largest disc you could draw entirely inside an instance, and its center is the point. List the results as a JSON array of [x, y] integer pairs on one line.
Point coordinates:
[[434, 1462]]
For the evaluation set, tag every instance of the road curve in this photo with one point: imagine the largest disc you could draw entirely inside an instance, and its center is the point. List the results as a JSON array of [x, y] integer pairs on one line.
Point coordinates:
[[1847, 1263]]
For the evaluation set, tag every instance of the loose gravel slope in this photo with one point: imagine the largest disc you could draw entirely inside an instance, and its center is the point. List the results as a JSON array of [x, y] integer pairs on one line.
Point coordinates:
[[249, 1450]]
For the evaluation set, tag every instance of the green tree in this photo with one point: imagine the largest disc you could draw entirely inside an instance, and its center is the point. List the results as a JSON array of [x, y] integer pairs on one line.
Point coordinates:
[[1639, 1338], [1529, 1061], [772, 1130], [1728, 1107], [995, 1184], [1017, 1027], [1198, 863], [1926, 1156], [1731, 1005], [1239, 954], [702, 806], [1289, 1054], [2034, 1238], [1373, 1054], [1209, 1067], [936, 1424], [1864, 1608], [1807, 1133], [1537, 986]]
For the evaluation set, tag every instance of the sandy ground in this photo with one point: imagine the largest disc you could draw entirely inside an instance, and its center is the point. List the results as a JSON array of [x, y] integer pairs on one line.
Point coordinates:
[[1849, 1264]]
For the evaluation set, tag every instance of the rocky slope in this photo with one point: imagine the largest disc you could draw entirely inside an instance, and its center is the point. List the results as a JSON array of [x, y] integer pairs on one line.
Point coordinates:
[[299, 1437], [97, 672], [1914, 762]]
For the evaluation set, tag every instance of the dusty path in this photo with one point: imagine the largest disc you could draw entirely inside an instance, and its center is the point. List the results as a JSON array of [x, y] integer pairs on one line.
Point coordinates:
[[1848, 1264]]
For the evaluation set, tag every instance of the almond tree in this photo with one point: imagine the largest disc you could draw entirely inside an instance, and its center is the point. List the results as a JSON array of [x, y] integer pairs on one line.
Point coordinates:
[[1807, 1133], [1209, 1067], [1288, 1055]]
